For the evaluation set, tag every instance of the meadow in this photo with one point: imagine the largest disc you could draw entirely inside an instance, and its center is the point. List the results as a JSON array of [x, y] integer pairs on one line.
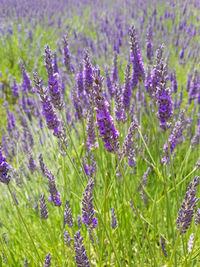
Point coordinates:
[[99, 133]]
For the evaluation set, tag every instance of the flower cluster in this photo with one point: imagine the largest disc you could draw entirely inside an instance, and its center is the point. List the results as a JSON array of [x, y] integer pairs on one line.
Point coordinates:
[[4, 169], [186, 211], [104, 120], [87, 206]]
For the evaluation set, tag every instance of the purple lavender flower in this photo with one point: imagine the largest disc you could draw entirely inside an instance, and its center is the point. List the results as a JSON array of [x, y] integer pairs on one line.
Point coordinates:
[[68, 215], [55, 64], [194, 87], [128, 142], [175, 136], [119, 107], [91, 169], [197, 218], [88, 80], [186, 211], [67, 56], [67, 238], [127, 87], [152, 82], [47, 261], [113, 219], [4, 169], [163, 96], [136, 58], [149, 46], [104, 120], [54, 193], [15, 90], [43, 208], [80, 81], [163, 247], [53, 83], [87, 206], [55, 92], [11, 122], [81, 256], [26, 83], [25, 263], [31, 163], [50, 115], [144, 182], [91, 137], [79, 221]]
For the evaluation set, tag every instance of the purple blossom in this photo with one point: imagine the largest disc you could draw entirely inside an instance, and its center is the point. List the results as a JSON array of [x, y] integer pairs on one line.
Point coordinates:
[[26, 83], [175, 136], [91, 169], [4, 169], [186, 211], [67, 56], [68, 215], [43, 208], [31, 163], [163, 246], [119, 107], [88, 80], [163, 96], [152, 82], [67, 238], [53, 83], [197, 218], [50, 115], [15, 90], [87, 206], [127, 93], [54, 193], [80, 252], [136, 58], [47, 261], [149, 46], [104, 120], [90, 130], [113, 219]]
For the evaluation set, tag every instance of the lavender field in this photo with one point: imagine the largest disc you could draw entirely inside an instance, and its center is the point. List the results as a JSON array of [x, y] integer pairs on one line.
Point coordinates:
[[99, 133]]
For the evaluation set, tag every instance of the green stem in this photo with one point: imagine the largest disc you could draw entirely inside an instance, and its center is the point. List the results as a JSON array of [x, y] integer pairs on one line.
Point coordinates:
[[23, 222]]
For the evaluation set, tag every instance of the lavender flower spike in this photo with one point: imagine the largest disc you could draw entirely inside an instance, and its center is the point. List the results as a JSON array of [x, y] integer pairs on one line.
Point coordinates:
[[68, 215], [119, 107], [4, 169], [186, 211], [43, 208], [197, 218], [91, 137], [54, 87], [81, 257], [163, 96], [50, 115], [67, 56], [87, 206], [113, 219], [136, 58], [104, 120], [47, 261]]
